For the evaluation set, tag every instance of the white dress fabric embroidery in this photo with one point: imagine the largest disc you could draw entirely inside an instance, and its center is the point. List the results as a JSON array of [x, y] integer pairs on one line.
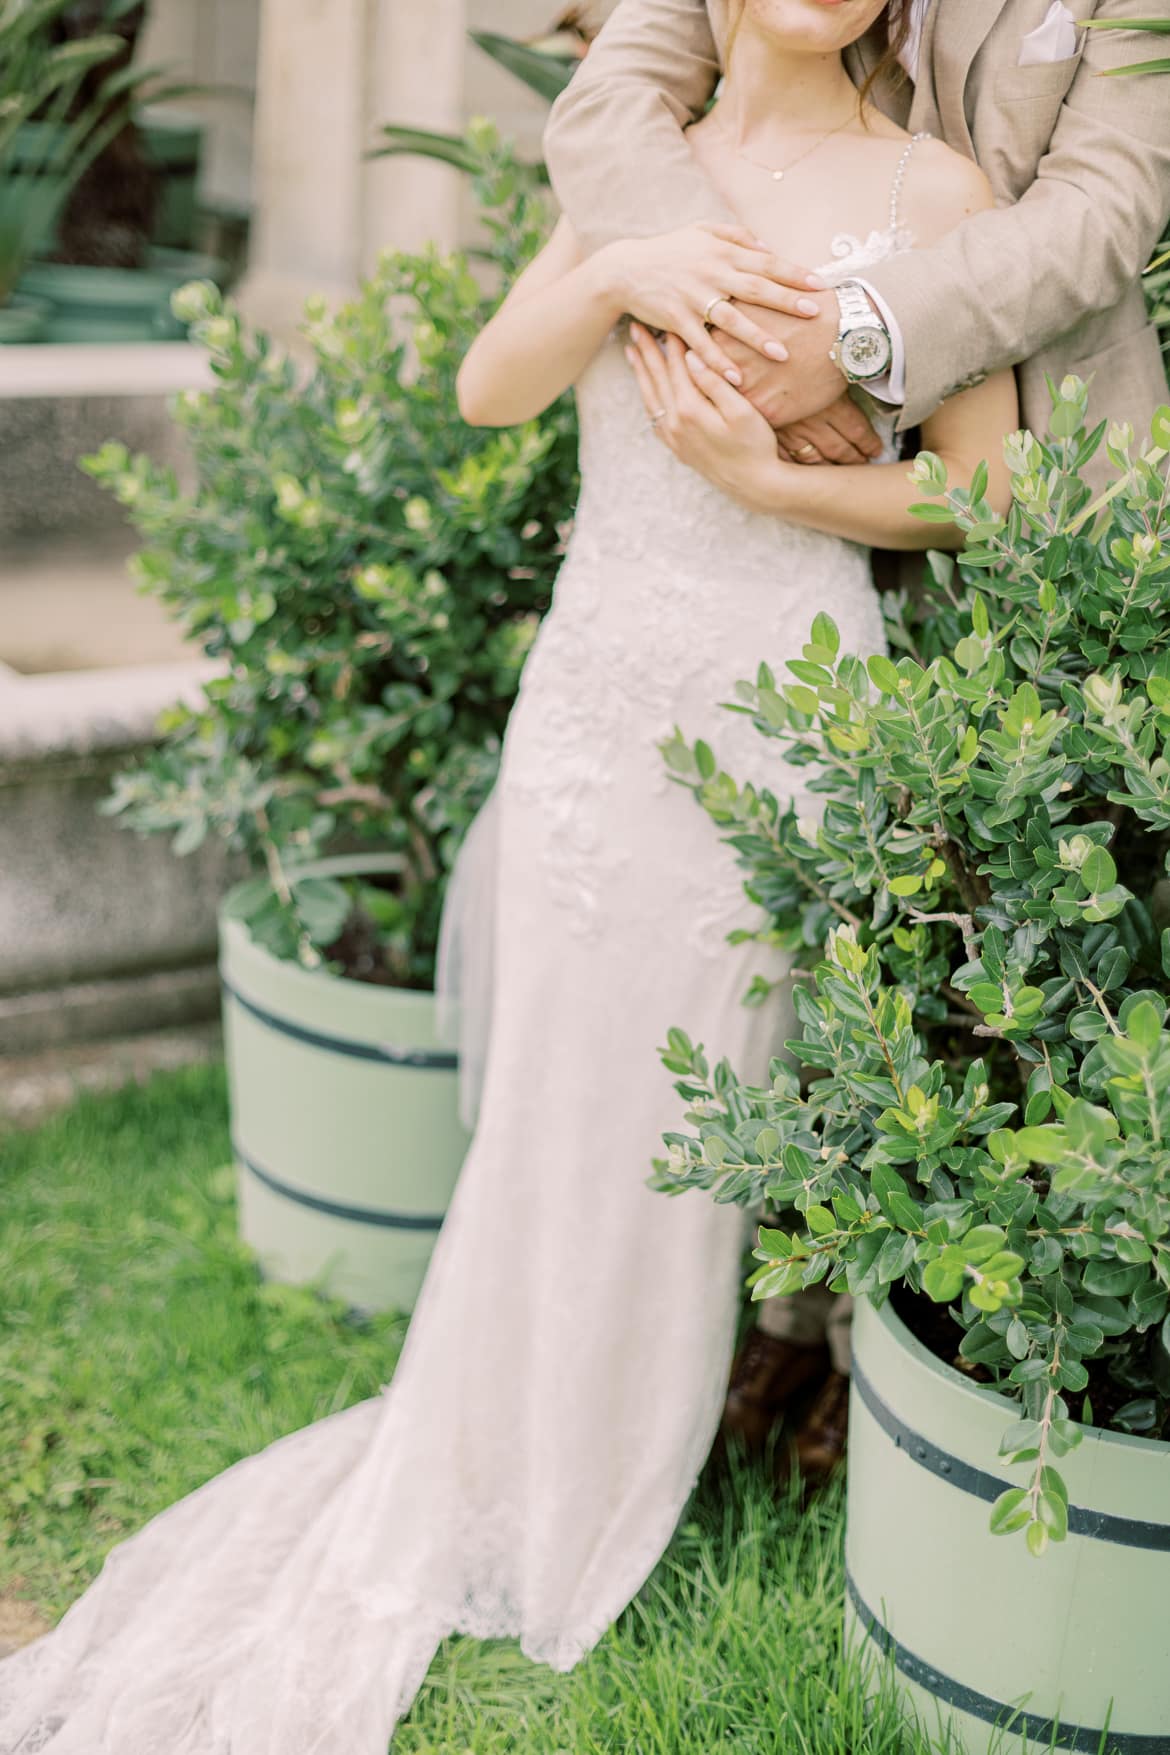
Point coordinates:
[[564, 1372]]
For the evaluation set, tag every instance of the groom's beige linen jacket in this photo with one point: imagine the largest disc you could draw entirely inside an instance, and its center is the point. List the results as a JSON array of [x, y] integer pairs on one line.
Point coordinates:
[[1080, 166]]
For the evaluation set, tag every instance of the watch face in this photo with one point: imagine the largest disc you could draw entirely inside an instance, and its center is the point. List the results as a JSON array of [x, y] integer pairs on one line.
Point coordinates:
[[866, 352]]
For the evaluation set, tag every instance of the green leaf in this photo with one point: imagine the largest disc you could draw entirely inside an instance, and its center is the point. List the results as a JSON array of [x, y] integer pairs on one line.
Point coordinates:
[[1098, 872], [1144, 1025], [449, 149], [883, 674], [942, 1282], [779, 1282], [802, 698], [547, 75], [904, 1211], [982, 1242], [1160, 64], [824, 633], [986, 996], [1037, 1536], [1112, 1279], [814, 674], [1043, 1145], [1023, 1436], [979, 483], [773, 1245], [323, 906], [1011, 1511]]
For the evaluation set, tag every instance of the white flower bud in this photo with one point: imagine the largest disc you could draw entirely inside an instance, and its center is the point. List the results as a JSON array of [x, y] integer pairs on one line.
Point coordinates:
[[1021, 453], [1102, 693], [195, 301]]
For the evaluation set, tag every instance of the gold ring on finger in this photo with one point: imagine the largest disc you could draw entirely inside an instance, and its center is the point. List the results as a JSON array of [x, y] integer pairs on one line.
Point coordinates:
[[719, 299], [806, 450]]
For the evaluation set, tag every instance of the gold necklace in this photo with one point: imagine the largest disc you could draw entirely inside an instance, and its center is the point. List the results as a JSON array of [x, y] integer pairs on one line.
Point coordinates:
[[779, 172]]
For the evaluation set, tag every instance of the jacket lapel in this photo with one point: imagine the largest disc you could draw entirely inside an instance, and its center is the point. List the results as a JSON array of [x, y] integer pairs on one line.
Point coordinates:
[[955, 32]]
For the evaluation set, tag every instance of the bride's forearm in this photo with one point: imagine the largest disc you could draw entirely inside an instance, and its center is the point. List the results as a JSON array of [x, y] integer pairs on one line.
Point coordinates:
[[538, 344], [868, 503], [871, 502]]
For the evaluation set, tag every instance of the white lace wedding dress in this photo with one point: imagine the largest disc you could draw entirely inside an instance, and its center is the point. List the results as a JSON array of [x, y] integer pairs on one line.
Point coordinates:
[[564, 1372]]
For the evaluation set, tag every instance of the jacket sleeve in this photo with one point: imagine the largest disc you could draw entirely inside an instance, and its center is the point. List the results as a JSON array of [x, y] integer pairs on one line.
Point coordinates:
[[1007, 283], [619, 164]]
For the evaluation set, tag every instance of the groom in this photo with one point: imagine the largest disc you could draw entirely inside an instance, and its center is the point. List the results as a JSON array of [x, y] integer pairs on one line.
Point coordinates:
[[1047, 282]]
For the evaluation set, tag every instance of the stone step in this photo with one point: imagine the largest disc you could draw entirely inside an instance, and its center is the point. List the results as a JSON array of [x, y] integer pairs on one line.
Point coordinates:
[[70, 603], [75, 369], [59, 403]]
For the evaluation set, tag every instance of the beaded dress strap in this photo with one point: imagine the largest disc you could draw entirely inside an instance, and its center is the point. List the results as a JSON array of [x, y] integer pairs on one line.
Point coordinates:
[[900, 178]]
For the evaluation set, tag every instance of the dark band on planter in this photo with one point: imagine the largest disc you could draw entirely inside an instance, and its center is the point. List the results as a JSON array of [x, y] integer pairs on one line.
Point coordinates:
[[427, 1059], [1047, 1732], [335, 1208], [1101, 1526]]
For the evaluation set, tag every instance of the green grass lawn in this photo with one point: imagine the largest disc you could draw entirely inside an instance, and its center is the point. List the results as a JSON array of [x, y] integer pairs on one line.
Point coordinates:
[[140, 1354]]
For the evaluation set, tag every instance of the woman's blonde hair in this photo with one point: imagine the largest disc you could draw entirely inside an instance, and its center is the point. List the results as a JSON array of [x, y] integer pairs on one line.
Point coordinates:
[[895, 19]]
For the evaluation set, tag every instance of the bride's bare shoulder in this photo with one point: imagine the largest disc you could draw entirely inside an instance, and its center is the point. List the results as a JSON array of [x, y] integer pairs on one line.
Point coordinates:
[[941, 188]]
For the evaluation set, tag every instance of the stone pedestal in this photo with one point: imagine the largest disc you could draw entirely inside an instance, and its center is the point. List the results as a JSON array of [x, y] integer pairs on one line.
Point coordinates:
[[101, 933]]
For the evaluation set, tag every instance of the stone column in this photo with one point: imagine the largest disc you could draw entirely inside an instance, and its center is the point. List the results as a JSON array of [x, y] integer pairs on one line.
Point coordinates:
[[212, 42], [416, 77], [330, 72]]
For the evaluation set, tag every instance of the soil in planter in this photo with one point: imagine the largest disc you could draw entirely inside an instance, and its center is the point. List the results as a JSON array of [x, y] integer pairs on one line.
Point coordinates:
[[935, 1326], [361, 953], [373, 944]]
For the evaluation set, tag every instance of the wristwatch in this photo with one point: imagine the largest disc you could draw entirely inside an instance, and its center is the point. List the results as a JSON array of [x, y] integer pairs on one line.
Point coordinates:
[[863, 349]]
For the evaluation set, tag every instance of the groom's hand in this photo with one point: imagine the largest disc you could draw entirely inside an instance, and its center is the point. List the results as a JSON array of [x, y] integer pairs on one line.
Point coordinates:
[[804, 397], [842, 434], [807, 381]]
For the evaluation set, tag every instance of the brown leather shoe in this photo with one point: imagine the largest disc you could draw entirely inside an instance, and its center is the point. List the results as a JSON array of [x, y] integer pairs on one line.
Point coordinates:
[[818, 1448], [766, 1374]]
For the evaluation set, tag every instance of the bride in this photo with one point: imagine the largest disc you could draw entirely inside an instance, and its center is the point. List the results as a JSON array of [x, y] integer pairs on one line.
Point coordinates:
[[564, 1372]]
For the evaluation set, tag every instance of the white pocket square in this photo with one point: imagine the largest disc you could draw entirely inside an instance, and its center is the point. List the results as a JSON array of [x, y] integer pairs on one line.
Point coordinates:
[[1054, 40]]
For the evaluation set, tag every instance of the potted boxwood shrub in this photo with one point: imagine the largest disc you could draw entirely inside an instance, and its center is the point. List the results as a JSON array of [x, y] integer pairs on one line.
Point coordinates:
[[370, 573], [979, 1146]]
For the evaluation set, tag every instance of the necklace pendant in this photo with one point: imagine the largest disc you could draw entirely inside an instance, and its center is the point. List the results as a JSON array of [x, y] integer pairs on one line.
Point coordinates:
[[777, 176]]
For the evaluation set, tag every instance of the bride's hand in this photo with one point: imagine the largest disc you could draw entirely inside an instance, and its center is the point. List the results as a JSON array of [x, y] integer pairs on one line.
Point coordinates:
[[709, 426], [677, 282]]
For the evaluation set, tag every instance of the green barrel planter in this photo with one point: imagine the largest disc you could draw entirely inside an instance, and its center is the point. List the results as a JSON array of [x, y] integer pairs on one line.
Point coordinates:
[[116, 304], [979, 1631], [344, 1119], [23, 320], [173, 144]]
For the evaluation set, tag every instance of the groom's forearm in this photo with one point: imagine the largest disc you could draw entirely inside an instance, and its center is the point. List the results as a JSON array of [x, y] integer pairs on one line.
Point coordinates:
[[619, 164], [1009, 282]]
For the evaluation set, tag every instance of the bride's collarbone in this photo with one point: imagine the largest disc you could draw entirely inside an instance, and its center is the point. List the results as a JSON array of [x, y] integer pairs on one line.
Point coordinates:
[[802, 214]]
